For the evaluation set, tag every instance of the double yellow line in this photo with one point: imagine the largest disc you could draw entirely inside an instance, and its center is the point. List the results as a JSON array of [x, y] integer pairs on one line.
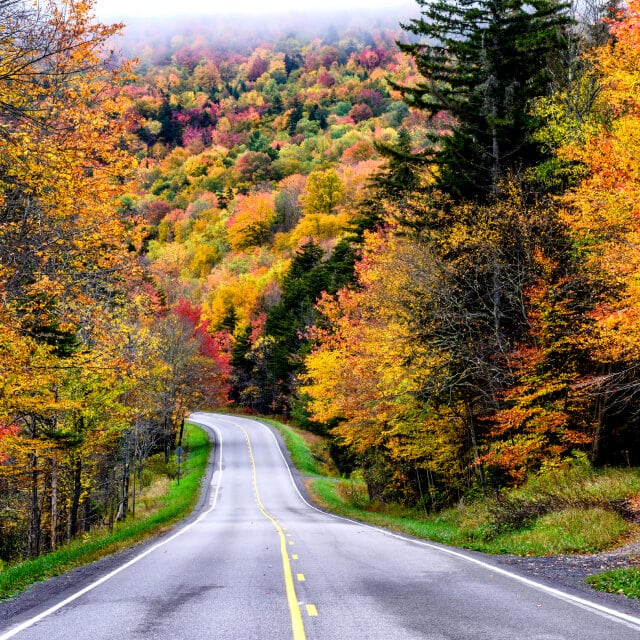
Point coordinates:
[[294, 608]]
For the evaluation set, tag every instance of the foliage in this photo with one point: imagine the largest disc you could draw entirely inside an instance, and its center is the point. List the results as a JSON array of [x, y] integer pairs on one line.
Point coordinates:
[[89, 382], [446, 286], [601, 212], [471, 349]]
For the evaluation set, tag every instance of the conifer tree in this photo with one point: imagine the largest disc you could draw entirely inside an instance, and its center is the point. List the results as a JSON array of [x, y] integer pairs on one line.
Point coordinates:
[[483, 63]]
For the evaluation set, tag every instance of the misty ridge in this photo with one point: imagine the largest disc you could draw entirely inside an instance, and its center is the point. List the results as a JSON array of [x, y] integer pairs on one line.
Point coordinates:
[[241, 33]]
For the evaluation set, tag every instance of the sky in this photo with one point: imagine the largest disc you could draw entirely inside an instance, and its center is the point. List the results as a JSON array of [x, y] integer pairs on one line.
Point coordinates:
[[121, 9]]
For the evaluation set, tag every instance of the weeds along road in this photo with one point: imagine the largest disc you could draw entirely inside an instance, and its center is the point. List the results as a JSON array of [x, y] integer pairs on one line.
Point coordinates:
[[261, 563]]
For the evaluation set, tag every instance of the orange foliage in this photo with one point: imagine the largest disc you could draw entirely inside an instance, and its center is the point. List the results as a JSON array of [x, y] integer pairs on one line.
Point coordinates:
[[605, 209]]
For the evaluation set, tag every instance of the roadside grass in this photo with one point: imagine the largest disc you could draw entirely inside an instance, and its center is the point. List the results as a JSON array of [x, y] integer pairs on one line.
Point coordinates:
[[569, 528], [309, 452], [570, 509], [162, 505], [622, 581], [572, 530]]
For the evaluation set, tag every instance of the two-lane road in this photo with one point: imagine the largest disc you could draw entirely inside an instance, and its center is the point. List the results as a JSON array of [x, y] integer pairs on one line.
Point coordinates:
[[261, 563]]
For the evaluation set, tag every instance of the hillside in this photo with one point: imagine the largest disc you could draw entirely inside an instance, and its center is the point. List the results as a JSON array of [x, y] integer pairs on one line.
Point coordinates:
[[419, 243], [336, 223], [255, 158]]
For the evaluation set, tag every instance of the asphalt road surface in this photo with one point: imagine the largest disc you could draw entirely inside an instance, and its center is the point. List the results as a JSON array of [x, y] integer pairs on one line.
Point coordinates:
[[261, 563]]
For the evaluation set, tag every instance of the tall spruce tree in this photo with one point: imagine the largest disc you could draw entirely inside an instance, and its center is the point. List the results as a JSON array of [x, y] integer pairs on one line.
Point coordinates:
[[484, 62]]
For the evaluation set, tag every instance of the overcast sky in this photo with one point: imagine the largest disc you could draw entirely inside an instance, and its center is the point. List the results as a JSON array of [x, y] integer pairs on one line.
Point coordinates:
[[120, 9]]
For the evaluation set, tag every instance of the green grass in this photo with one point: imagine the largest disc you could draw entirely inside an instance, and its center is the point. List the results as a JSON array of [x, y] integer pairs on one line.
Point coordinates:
[[346, 498], [623, 581], [559, 530], [308, 452], [178, 502], [568, 531]]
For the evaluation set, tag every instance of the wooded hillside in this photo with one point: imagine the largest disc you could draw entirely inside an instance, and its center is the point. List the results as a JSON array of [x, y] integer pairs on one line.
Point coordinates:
[[419, 240]]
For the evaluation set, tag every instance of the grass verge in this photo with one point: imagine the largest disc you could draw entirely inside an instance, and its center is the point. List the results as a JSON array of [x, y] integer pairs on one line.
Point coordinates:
[[622, 581], [572, 509], [308, 451], [175, 504], [561, 529]]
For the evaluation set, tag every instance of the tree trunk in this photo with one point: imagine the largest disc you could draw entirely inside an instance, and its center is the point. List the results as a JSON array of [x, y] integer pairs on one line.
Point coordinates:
[[477, 463], [126, 475], [497, 304], [34, 513], [75, 498], [54, 503], [86, 520], [600, 411]]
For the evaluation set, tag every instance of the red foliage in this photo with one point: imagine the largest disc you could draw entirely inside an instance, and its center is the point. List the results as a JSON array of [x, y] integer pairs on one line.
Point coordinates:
[[188, 311], [216, 347], [368, 59], [326, 80], [154, 212], [257, 67], [6, 431], [361, 112], [358, 152]]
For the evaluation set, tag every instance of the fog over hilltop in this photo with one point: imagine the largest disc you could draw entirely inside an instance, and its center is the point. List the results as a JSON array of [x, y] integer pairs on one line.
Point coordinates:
[[242, 31]]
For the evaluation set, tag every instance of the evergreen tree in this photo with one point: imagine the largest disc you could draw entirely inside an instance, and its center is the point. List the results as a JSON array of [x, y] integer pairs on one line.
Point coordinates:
[[295, 115], [287, 320], [388, 189], [483, 63], [308, 276], [292, 62], [171, 132]]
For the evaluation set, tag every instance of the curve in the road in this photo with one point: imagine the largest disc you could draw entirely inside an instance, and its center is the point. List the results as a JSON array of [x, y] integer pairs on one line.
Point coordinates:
[[618, 616], [222, 576]]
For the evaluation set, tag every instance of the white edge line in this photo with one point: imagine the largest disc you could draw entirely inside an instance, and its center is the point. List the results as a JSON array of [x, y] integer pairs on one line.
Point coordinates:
[[28, 623], [612, 614]]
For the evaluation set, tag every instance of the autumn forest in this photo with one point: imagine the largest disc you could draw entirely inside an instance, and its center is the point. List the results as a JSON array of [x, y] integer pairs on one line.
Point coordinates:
[[417, 236]]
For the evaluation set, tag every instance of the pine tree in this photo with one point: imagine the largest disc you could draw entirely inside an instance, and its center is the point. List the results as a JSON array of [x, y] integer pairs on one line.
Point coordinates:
[[483, 63], [288, 320]]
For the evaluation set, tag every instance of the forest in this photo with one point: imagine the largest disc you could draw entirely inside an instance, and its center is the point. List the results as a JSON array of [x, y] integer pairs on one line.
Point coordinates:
[[415, 236]]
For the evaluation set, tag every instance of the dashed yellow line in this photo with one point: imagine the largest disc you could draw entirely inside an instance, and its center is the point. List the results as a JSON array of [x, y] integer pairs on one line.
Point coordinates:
[[300, 577], [295, 557], [312, 611], [297, 625]]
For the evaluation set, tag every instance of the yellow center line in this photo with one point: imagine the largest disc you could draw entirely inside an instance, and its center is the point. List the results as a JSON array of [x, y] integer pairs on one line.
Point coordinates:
[[311, 610], [300, 577], [292, 599]]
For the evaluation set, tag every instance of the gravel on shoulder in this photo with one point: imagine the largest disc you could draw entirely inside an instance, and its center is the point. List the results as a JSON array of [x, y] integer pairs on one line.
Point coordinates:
[[569, 571]]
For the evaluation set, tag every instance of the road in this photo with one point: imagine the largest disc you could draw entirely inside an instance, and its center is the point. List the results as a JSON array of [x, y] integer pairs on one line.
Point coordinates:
[[261, 563]]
